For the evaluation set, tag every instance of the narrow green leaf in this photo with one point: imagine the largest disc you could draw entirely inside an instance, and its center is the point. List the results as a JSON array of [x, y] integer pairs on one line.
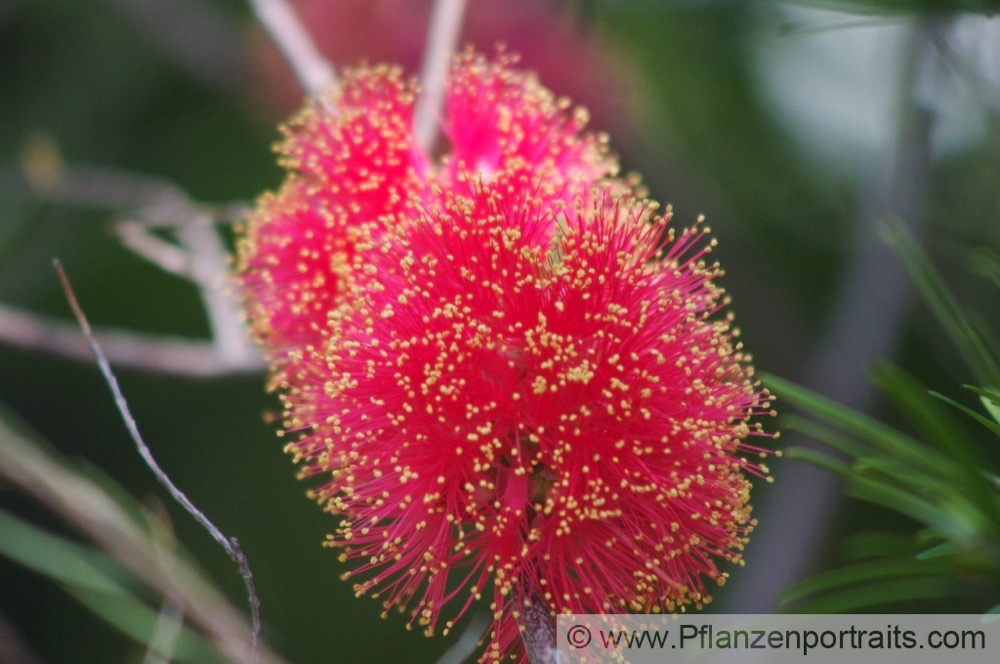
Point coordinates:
[[925, 414], [885, 492], [943, 549], [868, 545], [938, 425], [990, 399], [834, 439], [878, 490], [869, 9], [994, 611], [969, 501], [877, 594], [986, 262], [55, 557], [818, 459], [905, 477], [989, 424], [967, 507], [925, 538], [993, 396], [890, 441], [863, 573], [970, 344], [83, 573], [138, 621], [886, 495], [992, 408]]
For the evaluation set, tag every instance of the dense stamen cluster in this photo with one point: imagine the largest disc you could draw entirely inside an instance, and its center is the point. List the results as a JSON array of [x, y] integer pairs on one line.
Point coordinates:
[[351, 159], [518, 380]]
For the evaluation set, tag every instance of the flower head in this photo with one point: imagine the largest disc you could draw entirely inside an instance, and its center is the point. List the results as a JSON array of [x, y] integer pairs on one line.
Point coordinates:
[[351, 160], [499, 119], [524, 386]]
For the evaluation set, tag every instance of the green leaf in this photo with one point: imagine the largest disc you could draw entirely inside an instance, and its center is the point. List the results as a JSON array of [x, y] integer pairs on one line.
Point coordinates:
[[834, 439], [881, 436], [989, 424], [868, 545], [943, 549], [875, 8], [924, 413], [970, 502], [904, 502], [818, 459], [930, 285], [990, 399], [876, 594], [54, 557], [903, 476], [864, 573], [84, 573], [986, 262], [139, 622], [885, 492]]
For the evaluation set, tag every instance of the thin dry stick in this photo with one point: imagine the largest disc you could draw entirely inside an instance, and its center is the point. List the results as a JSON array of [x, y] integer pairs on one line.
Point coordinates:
[[160, 353], [314, 72], [231, 545], [199, 257], [163, 254], [442, 39], [223, 307], [155, 202]]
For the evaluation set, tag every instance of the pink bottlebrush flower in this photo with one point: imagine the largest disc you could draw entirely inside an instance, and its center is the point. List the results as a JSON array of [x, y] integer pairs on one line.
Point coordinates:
[[518, 381], [498, 118], [351, 160], [528, 416]]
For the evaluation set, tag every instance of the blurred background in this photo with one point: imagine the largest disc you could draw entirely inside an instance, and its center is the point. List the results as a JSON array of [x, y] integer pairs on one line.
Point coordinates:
[[793, 126]]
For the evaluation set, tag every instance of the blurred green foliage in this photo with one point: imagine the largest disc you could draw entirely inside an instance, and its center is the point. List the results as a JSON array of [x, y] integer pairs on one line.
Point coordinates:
[[943, 480]]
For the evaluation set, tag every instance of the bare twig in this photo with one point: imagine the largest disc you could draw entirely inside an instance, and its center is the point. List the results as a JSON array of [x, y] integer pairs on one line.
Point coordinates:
[[88, 508], [230, 544], [92, 187], [232, 343], [164, 254], [156, 203], [442, 39], [314, 72], [202, 260], [164, 354], [198, 255]]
